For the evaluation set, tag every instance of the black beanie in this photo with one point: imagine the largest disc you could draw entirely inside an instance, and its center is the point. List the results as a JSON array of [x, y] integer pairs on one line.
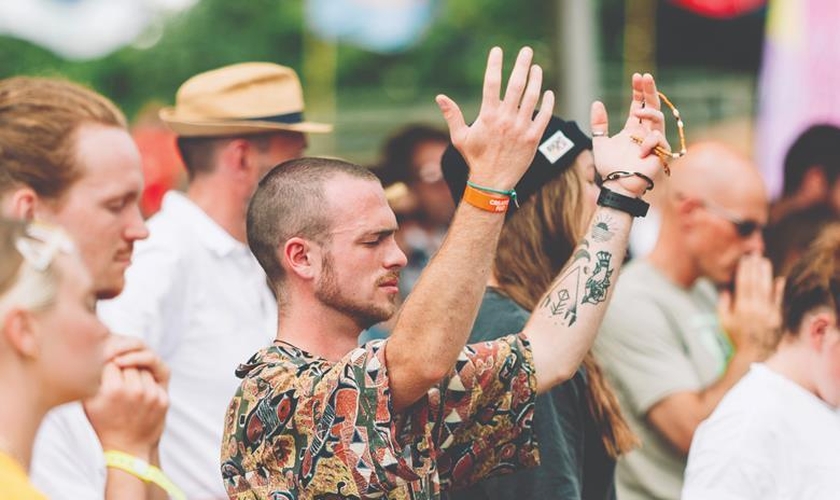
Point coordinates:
[[560, 144]]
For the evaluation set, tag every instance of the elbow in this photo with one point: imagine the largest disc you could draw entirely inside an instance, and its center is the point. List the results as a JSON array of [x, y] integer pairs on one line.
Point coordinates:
[[683, 444], [432, 373]]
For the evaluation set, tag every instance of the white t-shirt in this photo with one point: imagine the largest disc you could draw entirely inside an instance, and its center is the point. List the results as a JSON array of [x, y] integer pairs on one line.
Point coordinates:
[[199, 299], [67, 460], [768, 439]]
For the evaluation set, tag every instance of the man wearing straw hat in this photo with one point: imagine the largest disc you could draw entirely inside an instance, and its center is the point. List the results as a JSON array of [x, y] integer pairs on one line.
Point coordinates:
[[195, 292]]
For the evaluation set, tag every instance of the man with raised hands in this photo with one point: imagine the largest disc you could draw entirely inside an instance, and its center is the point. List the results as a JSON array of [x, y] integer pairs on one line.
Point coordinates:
[[419, 413]]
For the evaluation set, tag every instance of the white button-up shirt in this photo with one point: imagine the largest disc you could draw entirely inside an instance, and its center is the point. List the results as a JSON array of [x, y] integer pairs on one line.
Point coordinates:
[[198, 297]]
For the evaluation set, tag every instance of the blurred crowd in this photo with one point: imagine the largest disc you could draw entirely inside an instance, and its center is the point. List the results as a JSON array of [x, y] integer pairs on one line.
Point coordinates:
[[193, 308]]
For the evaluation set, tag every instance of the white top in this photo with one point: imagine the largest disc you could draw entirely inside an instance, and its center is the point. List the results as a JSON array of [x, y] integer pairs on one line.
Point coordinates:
[[67, 460], [199, 299], [768, 439]]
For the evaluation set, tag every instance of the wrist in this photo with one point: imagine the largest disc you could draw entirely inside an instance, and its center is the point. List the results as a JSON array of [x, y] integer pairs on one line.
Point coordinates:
[[143, 452], [629, 204], [492, 182], [628, 183], [616, 186], [487, 198]]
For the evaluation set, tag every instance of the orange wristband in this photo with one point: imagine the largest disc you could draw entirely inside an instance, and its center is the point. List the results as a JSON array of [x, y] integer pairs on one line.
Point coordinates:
[[485, 201]]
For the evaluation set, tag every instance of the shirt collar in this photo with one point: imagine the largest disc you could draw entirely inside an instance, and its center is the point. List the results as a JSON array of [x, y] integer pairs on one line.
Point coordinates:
[[206, 230]]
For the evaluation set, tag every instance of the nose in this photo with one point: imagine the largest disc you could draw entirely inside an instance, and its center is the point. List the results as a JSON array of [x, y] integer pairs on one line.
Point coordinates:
[[396, 258], [755, 243], [136, 228]]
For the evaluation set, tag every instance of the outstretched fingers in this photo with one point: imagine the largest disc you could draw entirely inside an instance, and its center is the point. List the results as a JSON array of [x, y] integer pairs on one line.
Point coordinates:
[[518, 79], [653, 140], [532, 93], [540, 122], [453, 116], [638, 101], [492, 80]]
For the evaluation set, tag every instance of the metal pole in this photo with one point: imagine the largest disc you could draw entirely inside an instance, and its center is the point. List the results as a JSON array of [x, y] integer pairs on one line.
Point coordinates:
[[579, 59]]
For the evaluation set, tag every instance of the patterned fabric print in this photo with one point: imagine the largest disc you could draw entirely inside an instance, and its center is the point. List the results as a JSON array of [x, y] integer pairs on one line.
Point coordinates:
[[303, 427]]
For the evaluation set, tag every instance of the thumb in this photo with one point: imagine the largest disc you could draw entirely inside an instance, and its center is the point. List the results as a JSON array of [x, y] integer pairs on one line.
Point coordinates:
[[453, 116], [598, 119]]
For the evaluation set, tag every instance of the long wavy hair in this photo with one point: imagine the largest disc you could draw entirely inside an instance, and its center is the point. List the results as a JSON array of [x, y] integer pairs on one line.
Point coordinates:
[[536, 242]]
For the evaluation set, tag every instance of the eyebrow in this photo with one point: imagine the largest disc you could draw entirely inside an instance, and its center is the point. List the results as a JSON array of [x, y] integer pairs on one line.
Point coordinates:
[[379, 233]]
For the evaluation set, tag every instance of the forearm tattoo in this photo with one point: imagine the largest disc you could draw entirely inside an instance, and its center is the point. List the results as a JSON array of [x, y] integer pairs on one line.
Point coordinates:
[[583, 282]]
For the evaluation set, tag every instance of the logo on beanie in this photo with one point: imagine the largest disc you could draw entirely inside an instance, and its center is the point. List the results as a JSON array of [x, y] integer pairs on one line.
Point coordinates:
[[556, 146]]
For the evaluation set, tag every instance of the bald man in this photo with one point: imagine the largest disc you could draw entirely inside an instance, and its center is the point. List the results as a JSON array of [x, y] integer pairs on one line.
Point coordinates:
[[687, 320]]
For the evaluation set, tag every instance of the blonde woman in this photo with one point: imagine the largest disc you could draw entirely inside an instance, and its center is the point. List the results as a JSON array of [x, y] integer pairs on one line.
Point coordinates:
[[52, 346]]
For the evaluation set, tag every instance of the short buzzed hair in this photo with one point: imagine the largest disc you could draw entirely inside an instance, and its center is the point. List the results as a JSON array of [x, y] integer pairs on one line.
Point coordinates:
[[290, 202]]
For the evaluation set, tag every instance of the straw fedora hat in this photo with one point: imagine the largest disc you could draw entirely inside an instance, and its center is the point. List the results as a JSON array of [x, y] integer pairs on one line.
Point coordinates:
[[245, 98]]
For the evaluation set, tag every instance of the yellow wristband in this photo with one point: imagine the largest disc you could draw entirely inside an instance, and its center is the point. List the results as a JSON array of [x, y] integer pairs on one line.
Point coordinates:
[[143, 470]]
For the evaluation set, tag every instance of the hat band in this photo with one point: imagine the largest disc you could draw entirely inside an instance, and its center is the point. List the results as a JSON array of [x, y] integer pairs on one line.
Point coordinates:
[[290, 118]]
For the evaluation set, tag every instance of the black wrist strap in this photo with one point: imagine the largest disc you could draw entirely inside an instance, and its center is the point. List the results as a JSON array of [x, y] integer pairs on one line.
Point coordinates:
[[633, 206]]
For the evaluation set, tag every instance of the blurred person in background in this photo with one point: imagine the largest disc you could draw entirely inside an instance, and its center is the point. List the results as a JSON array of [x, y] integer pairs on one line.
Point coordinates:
[[410, 171], [789, 237], [163, 169], [194, 291], [578, 423], [52, 346], [775, 434], [669, 344], [411, 156], [811, 172], [66, 158]]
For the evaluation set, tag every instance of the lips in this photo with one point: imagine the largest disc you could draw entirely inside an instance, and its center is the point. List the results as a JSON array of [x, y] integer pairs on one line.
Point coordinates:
[[391, 281], [123, 257]]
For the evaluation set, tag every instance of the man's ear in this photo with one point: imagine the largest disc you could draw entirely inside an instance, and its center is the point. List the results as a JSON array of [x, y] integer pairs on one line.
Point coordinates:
[[234, 156], [19, 332], [300, 257], [21, 204]]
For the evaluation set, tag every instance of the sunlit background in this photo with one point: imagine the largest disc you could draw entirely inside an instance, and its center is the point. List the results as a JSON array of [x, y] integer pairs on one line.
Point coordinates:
[[751, 72]]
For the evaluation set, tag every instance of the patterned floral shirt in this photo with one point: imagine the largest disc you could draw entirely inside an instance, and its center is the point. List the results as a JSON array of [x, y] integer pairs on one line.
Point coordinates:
[[303, 427]]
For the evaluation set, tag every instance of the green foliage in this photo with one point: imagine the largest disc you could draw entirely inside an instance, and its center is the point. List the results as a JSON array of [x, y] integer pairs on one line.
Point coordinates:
[[217, 32]]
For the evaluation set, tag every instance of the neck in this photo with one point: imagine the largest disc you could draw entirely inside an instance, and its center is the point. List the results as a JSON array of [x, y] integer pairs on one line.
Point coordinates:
[[317, 329], [225, 205], [793, 360], [671, 259], [19, 421]]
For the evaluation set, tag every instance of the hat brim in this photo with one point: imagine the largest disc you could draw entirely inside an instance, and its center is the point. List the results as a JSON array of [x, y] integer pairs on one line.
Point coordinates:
[[203, 128]]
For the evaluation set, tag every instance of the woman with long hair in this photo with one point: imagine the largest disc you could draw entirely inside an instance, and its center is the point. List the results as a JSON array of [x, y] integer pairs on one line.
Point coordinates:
[[51, 342], [578, 424]]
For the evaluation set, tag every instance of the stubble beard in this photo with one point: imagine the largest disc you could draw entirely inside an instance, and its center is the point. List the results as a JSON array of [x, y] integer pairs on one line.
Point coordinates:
[[364, 314]]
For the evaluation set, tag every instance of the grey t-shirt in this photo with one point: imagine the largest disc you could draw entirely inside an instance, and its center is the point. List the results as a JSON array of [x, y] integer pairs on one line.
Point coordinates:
[[657, 339], [574, 463]]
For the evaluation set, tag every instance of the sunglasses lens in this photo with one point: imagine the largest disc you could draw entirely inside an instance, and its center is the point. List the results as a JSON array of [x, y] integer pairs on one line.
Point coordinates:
[[746, 228]]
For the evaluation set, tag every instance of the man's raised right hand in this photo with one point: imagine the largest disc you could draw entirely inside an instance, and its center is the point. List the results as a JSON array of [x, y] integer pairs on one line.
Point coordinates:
[[501, 143]]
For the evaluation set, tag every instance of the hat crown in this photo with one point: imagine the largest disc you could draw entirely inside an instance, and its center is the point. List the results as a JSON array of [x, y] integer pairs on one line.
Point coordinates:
[[240, 91]]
